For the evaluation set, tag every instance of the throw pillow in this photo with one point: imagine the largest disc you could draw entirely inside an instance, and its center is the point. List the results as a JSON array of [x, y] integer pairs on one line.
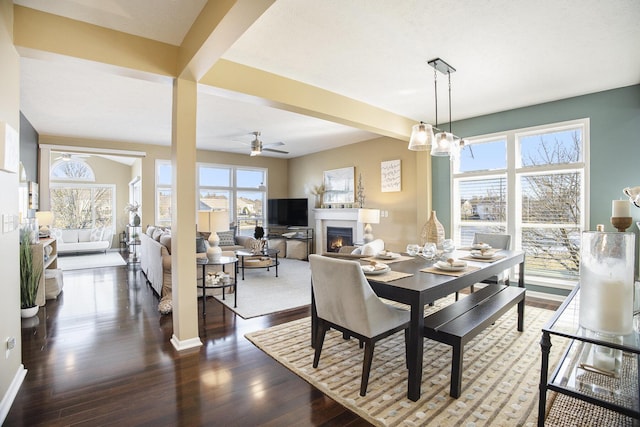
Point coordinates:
[[96, 234], [165, 240], [56, 233], [156, 234], [200, 246], [226, 238], [150, 230]]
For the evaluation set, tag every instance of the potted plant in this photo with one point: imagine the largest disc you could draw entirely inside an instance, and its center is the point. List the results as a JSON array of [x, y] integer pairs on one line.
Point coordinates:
[[29, 278]]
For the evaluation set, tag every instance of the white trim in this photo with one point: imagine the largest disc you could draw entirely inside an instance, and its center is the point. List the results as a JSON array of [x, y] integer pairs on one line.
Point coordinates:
[[80, 149], [186, 344], [12, 392]]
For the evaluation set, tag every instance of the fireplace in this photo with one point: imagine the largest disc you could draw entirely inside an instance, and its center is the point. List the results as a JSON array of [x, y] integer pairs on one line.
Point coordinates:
[[344, 218], [338, 237]]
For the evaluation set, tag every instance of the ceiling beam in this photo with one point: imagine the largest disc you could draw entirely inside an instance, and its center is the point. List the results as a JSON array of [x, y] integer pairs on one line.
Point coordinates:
[[40, 31], [215, 30], [238, 81]]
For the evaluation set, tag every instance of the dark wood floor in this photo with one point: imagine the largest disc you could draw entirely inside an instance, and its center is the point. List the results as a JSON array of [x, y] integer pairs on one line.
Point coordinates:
[[100, 355]]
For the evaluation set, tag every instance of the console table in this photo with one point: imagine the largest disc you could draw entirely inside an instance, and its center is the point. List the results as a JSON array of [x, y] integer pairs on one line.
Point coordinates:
[[571, 378]]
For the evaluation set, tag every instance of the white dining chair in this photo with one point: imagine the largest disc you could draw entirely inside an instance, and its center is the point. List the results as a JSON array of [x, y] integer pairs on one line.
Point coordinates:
[[345, 301]]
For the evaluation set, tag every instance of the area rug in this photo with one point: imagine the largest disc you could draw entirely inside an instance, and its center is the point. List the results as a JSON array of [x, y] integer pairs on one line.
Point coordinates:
[[261, 292], [79, 262], [499, 386]]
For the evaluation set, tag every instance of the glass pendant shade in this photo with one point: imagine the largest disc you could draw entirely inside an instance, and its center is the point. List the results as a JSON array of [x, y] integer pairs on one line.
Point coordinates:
[[442, 144], [421, 137]]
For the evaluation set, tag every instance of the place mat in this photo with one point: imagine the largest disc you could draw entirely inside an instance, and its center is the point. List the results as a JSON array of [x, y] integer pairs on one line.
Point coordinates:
[[387, 261], [389, 276], [436, 270], [495, 258]]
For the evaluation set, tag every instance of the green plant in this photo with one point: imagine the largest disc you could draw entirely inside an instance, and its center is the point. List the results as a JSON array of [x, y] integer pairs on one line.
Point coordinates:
[[258, 233], [29, 278]]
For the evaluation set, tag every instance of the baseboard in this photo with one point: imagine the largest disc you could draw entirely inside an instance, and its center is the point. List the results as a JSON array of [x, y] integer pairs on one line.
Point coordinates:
[[186, 344], [12, 392]]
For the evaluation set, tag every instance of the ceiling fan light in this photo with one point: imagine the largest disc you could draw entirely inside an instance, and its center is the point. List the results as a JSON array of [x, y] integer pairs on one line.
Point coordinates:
[[442, 144], [421, 137]]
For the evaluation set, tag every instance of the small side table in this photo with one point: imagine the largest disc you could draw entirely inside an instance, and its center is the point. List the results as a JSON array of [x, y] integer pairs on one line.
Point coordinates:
[[223, 261]]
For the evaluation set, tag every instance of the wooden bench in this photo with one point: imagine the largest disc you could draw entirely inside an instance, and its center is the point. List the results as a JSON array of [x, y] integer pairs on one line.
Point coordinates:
[[461, 321]]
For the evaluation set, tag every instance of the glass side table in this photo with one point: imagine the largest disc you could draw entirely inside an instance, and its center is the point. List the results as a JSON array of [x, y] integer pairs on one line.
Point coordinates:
[[578, 374], [223, 261]]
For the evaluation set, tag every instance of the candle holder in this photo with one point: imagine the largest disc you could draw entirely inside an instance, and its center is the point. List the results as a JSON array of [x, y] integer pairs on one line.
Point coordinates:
[[621, 223]]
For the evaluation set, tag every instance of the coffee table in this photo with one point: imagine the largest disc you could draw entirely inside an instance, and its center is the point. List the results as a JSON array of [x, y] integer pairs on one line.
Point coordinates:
[[267, 253]]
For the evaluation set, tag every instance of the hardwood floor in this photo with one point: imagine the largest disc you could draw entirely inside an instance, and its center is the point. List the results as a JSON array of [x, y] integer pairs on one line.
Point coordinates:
[[100, 355]]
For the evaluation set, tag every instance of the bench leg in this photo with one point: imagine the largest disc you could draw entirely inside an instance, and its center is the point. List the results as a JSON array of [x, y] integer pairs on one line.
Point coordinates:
[[521, 316], [456, 371]]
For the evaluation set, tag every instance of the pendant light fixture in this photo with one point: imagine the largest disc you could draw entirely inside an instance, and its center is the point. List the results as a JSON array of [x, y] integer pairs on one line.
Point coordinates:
[[422, 135]]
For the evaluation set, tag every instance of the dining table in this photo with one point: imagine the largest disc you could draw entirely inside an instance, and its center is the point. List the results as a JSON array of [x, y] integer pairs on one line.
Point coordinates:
[[420, 288]]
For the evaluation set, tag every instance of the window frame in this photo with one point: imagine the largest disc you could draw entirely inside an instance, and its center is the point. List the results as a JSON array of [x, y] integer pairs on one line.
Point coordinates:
[[513, 173], [232, 189], [82, 185]]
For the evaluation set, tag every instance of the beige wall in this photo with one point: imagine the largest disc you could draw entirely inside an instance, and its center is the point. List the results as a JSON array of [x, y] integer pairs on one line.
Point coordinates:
[[401, 226], [10, 363]]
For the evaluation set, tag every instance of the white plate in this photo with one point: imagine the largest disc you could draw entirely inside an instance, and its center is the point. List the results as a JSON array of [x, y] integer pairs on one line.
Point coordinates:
[[480, 255], [445, 266], [480, 246], [389, 255], [375, 272]]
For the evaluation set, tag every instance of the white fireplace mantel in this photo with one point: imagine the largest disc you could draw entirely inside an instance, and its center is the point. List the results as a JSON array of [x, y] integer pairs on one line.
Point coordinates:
[[336, 218]]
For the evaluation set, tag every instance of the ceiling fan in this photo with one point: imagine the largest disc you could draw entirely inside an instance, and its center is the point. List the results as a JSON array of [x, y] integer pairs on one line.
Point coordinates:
[[68, 156], [257, 147]]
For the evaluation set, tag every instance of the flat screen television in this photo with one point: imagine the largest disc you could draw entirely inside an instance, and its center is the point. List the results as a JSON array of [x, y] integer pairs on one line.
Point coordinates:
[[288, 212]]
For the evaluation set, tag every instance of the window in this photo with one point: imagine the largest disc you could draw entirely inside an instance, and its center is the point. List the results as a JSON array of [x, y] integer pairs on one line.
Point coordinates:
[[529, 183], [80, 205], [239, 190]]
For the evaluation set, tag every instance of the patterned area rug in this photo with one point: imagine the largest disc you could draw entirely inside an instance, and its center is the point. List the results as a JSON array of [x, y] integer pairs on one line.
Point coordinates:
[[500, 381]]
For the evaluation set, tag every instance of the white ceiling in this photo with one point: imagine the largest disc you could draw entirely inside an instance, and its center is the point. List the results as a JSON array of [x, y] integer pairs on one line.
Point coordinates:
[[508, 54]]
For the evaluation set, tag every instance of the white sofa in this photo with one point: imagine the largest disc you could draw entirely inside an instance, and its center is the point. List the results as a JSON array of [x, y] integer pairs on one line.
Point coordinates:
[[83, 240]]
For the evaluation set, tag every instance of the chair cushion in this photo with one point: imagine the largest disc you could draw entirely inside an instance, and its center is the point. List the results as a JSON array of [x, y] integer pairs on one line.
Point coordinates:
[[70, 236], [56, 233], [165, 240]]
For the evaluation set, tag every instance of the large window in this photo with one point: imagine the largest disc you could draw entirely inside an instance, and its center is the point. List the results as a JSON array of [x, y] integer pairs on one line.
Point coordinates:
[[80, 205], [529, 183], [239, 190]]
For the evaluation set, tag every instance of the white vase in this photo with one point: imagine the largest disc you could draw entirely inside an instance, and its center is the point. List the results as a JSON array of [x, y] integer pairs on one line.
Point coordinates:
[[26, 313]]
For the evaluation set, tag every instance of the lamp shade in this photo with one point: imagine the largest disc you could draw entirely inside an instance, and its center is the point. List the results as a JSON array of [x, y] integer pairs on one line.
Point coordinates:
[[45, 218], [213, 221], [421, 137], [442, 144], [369, 216]]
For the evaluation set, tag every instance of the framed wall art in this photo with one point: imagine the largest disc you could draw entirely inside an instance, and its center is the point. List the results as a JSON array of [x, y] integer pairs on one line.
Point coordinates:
[[390, 176], [339, 186]]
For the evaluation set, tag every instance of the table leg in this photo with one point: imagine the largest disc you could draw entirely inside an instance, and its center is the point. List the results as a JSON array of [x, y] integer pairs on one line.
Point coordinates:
[[235, 286], [276, 264], [415, 350], [204, 290], [521, 303], [545, 347], [242, 267]]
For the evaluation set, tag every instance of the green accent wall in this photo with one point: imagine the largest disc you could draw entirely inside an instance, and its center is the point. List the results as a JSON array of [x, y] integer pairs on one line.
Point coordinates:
[[614, 147]]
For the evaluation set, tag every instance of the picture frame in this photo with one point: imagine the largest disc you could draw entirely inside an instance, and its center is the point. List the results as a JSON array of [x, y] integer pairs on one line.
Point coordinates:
[[339, 186], [9, 148], [390, 176]]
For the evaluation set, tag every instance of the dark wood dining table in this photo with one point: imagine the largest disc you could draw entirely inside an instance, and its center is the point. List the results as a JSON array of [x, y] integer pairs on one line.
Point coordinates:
[[422, 288]]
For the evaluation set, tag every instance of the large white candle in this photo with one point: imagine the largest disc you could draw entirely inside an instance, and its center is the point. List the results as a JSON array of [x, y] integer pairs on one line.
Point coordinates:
[[620, 208]]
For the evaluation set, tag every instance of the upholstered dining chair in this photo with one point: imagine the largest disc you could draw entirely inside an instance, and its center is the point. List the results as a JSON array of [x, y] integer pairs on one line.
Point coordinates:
[[496, 241], [345, 301]]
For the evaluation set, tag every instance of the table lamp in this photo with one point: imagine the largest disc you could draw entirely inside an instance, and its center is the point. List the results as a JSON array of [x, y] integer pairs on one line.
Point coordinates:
[[45, 220], [368, 217], [213, 221]]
